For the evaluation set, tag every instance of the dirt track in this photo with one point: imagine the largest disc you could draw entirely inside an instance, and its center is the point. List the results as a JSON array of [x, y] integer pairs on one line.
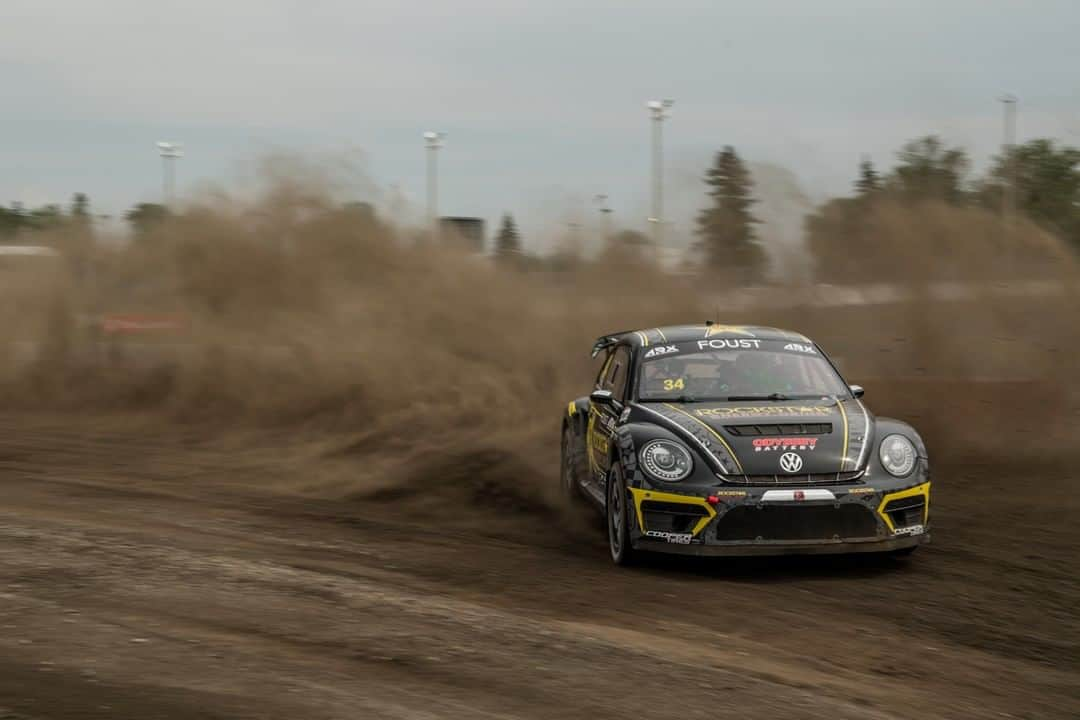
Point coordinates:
[[150, 575]]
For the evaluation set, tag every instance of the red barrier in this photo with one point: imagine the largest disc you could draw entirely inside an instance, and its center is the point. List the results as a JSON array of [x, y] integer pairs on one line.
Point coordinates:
[[138, 324]]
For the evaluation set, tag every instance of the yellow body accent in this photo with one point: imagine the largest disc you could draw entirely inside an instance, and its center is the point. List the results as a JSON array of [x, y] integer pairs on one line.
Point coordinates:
[[711, 330], [843, 457], [590, 431], [641, 495], [570, 410], [643, 337], [662, 335], [607, 364], [923, 490], [715, 434]]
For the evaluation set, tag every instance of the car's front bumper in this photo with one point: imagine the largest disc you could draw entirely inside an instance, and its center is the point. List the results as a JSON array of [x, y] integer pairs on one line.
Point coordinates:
[[782, 521], [812, 547]]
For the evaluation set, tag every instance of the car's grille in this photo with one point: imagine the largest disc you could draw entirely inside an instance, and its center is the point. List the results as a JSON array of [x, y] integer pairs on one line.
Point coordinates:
[[906, 512], [671, 517], [809, 479], [808, 522], [782, 429]]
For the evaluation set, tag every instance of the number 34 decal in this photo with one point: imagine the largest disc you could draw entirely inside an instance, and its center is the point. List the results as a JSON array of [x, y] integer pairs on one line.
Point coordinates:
[[676, 384]]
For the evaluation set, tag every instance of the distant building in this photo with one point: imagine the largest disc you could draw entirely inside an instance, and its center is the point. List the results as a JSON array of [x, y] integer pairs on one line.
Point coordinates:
[[465, 232]]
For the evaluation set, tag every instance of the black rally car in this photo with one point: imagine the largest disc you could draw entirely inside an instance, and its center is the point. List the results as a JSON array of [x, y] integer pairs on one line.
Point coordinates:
[[730, 440]]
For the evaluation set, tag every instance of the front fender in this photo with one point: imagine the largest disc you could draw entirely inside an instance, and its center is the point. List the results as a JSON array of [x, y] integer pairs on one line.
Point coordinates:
[[891, 426], [577, 415], [633, 436]]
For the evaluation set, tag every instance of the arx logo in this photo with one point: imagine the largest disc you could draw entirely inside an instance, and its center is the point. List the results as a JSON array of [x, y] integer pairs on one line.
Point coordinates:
[[797, 347], [661, 350]]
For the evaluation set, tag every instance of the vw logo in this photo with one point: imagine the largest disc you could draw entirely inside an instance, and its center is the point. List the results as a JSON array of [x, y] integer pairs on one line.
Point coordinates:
[[790, 462]]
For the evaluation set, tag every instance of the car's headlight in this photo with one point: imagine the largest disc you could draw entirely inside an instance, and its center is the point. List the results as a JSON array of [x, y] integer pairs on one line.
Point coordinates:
[[666, 460], [897, 455]]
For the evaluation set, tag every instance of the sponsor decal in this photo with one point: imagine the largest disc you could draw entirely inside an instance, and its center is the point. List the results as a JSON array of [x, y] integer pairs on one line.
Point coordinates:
[[798, 347], [798, 495], [671, 537], [790, 462], [784, 443], [911, 530], [732, 412], [595, 436], [729, 344], [605, 421], [720, 496], [661, 350], [861, 491]]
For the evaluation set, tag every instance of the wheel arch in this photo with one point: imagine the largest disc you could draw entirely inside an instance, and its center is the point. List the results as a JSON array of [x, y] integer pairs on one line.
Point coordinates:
[[886, 426], [577, 415]]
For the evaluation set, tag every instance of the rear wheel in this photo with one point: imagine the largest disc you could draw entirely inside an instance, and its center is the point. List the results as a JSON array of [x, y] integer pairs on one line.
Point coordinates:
[[618, 518], [571, 466]]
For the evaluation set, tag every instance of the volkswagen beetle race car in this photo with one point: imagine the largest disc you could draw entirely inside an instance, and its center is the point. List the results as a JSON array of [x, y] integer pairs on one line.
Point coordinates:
[[729, 440]]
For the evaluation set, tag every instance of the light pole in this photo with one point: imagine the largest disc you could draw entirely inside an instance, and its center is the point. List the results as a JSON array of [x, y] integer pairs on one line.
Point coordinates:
[[605, 216], [433, 141], [658, 109], [169, 152], [1008, 196]]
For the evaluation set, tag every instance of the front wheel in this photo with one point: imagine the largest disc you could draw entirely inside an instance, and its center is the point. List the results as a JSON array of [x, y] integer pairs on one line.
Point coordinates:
[[618, 518]]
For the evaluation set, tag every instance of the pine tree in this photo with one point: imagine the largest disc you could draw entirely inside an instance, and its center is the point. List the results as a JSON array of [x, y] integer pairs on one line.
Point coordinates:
[[726, 228], [508, 241], [869, 180]]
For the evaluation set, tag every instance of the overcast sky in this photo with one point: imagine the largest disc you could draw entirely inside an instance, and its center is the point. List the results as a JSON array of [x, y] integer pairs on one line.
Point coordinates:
[[542, 100]]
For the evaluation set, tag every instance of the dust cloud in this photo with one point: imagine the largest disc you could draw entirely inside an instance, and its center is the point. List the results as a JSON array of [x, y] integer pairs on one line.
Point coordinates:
[[399, 368]]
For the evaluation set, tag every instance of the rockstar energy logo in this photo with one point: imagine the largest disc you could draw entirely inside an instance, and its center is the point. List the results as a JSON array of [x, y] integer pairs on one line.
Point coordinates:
[[763, 411]]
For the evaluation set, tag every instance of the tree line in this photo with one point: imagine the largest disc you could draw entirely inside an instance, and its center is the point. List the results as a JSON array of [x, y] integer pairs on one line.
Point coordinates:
[[1038, 180], [1041, 176], [16, 218]]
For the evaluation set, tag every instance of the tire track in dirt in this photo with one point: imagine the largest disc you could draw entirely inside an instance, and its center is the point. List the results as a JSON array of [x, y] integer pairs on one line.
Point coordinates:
[[254, 603]]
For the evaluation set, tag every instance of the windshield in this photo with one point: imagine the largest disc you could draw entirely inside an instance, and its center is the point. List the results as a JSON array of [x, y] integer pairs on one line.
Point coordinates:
[[736, 369]]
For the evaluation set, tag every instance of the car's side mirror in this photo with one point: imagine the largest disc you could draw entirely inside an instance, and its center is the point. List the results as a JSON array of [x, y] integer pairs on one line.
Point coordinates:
[[603, 397], [857, 390]]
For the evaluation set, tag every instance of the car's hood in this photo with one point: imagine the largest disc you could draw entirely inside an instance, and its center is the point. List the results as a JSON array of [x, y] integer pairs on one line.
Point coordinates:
[[792, 437]]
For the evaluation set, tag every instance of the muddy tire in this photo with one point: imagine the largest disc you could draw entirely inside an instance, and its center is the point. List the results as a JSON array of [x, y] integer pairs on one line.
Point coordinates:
[[572, 465], [618, 518]]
